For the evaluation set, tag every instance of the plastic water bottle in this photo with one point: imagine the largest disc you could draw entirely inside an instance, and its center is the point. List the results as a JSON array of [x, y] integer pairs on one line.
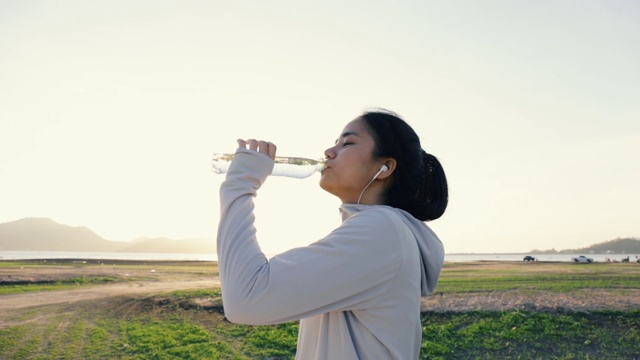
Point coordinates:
[[294, 167]]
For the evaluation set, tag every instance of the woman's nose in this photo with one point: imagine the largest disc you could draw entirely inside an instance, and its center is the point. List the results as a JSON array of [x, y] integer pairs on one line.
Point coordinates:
[[329, 153]]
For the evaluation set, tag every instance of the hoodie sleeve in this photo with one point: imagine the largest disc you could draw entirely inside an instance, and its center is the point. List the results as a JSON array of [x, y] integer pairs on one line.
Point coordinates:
[[349, 269]]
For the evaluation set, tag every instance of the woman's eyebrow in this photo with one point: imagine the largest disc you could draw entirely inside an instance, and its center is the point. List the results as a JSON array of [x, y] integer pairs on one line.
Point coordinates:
[[347, 133]]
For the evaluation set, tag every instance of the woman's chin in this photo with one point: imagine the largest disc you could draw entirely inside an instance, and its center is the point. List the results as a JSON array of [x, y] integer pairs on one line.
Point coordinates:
[[325, 185]]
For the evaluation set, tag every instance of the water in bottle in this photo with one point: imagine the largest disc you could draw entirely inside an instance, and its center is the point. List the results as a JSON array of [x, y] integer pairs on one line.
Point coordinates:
[[294, 167]]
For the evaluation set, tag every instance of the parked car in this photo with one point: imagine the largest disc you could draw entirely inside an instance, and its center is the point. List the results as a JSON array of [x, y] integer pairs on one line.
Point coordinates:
[[529, 258], [582, 258]]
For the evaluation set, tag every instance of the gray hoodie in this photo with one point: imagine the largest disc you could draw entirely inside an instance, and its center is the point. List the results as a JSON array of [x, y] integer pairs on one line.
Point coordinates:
[[356, 292]]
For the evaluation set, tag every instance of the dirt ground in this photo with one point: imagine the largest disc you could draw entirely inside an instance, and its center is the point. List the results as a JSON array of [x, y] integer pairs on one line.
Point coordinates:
[[17, 301], [583, 300], [149, 280]]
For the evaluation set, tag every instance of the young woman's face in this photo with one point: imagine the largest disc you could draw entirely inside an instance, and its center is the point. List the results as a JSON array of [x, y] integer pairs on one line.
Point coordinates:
[[350, 165]]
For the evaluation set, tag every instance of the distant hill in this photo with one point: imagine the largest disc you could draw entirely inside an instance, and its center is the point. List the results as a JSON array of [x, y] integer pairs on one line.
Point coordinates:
[[616, 246], [42, 234]]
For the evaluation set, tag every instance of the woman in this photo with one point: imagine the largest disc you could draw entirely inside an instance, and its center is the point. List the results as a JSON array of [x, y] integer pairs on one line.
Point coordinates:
[[357, 291]]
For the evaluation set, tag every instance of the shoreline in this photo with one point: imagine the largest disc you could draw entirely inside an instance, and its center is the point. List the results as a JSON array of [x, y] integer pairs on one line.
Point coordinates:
[[110, 261], [92, 261]]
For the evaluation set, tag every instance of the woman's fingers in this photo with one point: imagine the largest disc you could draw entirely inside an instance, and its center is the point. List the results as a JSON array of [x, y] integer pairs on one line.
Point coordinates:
[[265, 147], [272, 150], [253, 144]]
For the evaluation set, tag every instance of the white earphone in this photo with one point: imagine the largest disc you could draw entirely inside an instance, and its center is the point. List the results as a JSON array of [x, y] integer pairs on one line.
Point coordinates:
[[383, 168]]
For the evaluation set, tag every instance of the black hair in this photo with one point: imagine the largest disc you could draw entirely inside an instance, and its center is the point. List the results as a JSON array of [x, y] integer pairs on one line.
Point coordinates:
[[418, 184]]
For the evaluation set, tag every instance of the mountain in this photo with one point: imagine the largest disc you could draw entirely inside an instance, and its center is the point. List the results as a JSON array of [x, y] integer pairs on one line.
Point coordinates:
[[616, 246], [42, 234]]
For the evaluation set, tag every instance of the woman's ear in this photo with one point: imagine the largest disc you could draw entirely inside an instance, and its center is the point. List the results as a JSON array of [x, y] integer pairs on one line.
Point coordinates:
[[390, 163]]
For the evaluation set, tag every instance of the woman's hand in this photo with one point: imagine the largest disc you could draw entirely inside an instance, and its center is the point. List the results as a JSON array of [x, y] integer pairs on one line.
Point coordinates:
[[264, 147]]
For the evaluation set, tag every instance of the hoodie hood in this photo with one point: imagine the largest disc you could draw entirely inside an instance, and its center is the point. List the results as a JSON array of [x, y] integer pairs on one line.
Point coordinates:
[[430, 246]]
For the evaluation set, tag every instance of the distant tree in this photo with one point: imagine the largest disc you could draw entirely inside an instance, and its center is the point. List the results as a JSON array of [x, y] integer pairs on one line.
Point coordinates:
[[629, 245]]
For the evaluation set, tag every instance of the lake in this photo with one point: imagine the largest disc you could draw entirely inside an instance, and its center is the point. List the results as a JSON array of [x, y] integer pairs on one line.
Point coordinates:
[[28, 255]]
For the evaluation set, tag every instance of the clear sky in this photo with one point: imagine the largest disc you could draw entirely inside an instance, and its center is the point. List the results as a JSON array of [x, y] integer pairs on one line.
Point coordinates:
[[110, 111]]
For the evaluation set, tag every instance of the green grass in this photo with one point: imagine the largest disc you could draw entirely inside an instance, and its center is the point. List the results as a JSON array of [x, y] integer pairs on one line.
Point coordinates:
[[531, 335], [556, 283], [7, 264], [557, 277], [165, 339], [59, 285], [189, 335], [145, 328], [201, 293]]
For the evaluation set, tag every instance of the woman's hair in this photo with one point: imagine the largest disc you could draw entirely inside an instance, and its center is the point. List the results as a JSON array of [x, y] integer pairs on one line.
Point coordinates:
[[418, 185]]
